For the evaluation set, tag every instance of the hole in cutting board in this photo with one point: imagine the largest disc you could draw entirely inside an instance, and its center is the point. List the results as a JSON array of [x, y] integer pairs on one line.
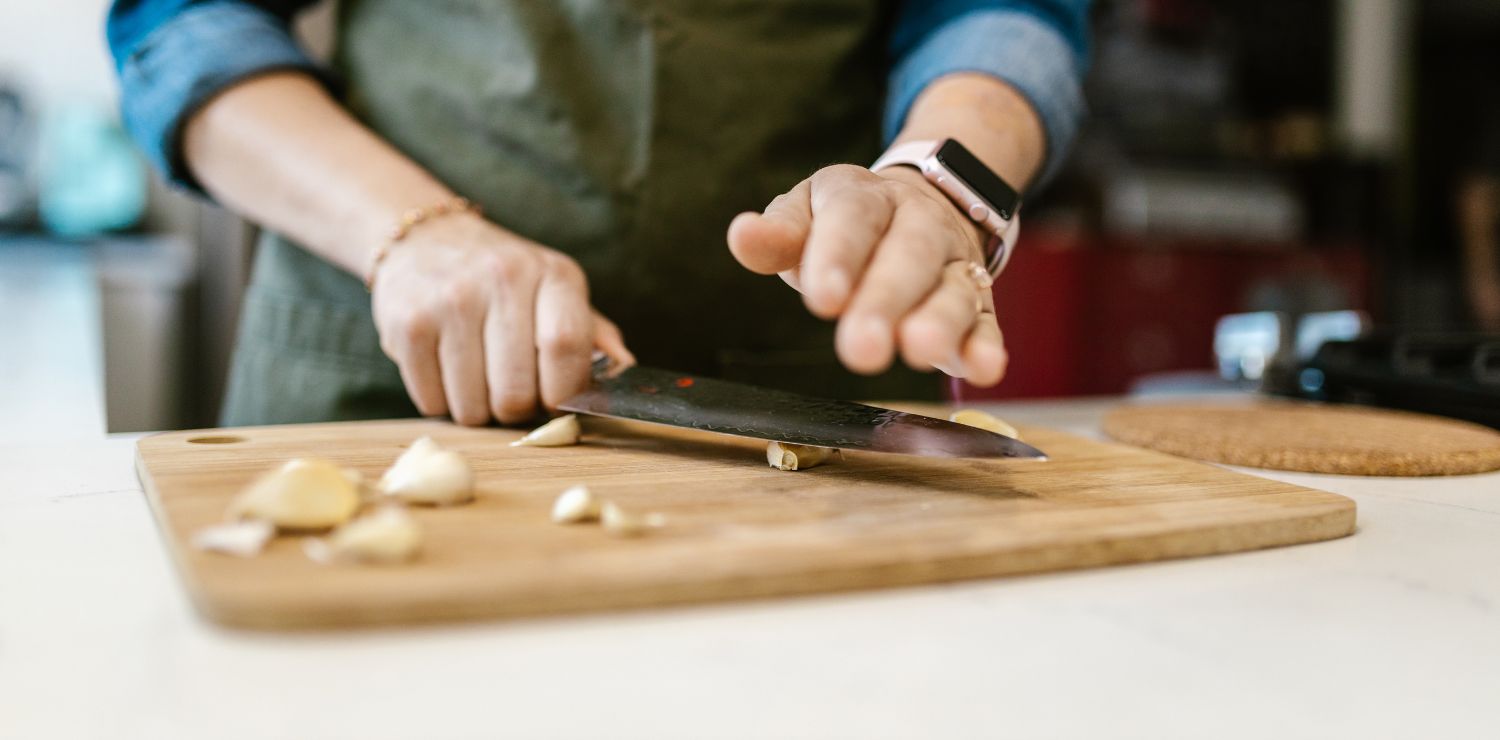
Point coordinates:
[[215, 440]]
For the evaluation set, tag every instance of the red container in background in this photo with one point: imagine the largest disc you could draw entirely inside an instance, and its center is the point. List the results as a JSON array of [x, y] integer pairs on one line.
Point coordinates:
[[1087, 315]]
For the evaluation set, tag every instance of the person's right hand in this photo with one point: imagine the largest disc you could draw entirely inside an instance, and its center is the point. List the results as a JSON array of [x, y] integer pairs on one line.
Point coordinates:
[[484, 324]]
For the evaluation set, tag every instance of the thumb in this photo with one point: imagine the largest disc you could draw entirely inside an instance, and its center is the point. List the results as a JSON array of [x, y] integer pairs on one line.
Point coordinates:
[[771, 242]]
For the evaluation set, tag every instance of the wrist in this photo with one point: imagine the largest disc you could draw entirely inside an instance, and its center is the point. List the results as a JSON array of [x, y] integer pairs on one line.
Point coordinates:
[[914, 177], [414, 224]]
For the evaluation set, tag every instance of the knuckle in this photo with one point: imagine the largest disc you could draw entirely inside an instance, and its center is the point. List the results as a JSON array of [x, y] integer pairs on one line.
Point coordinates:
[[509, 267], [416, 328], [566, 269], [564, 341], [513, 406], [471, 415], [460, 298], [843, 171]]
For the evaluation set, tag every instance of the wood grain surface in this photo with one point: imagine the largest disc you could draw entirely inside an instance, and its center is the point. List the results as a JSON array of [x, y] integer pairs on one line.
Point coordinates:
[[735, 528], [1311, 438]]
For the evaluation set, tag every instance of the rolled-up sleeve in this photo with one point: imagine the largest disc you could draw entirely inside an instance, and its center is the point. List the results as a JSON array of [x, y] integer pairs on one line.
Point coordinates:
[[1039, 47], [172, 57]]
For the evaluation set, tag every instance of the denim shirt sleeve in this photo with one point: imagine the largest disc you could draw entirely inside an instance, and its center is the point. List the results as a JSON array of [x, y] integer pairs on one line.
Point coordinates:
[[172, 56], [1040, 47]]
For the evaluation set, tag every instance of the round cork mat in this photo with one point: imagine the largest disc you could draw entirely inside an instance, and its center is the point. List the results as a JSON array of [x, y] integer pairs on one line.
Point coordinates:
[[1310, 438]]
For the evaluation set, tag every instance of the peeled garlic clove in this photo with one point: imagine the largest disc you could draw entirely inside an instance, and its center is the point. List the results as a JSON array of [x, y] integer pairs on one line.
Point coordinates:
[[387, 536], [981, 420], [786, 456], [429, 474], [559, 432], [576, 505], [242, 539], [305, 493], [622, 523]]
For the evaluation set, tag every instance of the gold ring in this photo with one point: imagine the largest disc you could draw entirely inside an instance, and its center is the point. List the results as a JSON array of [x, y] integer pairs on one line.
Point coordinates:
[[981, 276]]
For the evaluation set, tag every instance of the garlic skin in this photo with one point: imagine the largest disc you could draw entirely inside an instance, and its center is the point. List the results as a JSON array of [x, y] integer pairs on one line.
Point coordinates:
[[386, 537], [622, 523], [980, 420], [575, 505], [305, 493], [429, 474], [244, 539], [787, 456], [560, 432]]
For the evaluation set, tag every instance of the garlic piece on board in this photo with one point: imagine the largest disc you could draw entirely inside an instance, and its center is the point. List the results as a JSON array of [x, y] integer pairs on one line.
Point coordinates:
[[575, 505], [622, 523], [786, 456], [559, 432], [305, 493], [244, 539], [429, 474], [387, 536], [981, 420]]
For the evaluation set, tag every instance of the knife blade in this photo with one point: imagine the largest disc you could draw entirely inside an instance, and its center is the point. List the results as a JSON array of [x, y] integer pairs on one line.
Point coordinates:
[[707, 404]]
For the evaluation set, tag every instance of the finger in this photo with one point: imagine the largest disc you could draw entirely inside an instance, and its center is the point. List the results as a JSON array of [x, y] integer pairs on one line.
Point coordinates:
[[848, 221], [985, 356], [770, 242], [907, 265], [417, 360], [609, 340], [461, 359], [933, 334], [510, 352], [564, 334]]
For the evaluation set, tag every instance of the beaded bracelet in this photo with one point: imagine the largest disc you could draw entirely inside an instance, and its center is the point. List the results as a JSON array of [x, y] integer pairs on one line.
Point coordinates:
[[410, 220]]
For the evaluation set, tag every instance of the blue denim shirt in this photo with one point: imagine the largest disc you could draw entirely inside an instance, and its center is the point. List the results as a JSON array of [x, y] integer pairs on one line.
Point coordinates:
[[173, 55]]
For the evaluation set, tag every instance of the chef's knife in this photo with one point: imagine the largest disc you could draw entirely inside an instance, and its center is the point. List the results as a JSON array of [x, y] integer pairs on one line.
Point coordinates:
[[681, 400]]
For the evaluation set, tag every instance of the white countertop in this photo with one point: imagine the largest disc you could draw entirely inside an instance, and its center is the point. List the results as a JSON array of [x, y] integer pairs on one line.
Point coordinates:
[[1394, 632]]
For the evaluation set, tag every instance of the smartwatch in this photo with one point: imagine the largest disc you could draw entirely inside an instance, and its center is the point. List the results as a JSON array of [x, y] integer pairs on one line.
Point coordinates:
[[977, 191]]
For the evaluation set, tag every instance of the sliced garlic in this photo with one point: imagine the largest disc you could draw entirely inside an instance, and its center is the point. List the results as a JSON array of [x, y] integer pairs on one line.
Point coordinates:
[[980, 420], [786, 456], [244, 539], [559, 432], [576, 505], [622, 523], [387, 536], [305, 493], [429, 474]]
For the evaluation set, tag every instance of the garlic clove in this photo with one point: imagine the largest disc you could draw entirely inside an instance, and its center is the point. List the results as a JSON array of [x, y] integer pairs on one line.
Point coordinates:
[[622, 523], [305, 493], [560, 432], [429, 474], [786, 456], [575, 505], [244, 539], [980, 420], [389, 535]]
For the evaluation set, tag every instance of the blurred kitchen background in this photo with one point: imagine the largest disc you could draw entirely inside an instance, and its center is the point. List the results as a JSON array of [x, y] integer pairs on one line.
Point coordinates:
[[1292, 156]]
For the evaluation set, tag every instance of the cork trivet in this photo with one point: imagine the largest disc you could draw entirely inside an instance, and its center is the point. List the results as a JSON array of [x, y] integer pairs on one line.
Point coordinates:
[[1310, 438]]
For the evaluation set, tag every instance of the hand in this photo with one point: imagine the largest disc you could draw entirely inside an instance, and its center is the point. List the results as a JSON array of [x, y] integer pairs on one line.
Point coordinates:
[[483, 323], [886, 254], [1484, 297]]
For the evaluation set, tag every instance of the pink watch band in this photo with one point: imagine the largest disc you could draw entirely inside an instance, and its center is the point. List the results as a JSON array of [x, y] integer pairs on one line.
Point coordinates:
[[923, 156]]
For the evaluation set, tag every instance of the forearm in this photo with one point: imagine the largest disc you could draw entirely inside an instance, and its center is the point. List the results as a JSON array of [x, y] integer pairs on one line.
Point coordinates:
[[280, 151], [987, 116], [1479, 217]]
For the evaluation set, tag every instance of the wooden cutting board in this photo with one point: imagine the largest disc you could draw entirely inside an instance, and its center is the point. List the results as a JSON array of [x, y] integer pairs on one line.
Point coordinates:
[[735, 528]]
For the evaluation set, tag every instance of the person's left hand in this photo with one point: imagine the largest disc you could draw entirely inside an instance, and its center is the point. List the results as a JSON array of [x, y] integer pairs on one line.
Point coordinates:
[[887, 255]]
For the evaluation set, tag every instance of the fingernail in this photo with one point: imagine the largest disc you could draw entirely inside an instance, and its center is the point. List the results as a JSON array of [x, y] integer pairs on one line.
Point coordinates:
[[956, 366]]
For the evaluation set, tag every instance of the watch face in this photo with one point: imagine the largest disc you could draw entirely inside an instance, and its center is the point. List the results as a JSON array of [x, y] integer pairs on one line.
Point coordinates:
[[1001, 197]]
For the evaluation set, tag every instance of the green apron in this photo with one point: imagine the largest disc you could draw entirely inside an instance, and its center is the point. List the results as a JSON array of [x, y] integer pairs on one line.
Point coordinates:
[[626, 133]]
